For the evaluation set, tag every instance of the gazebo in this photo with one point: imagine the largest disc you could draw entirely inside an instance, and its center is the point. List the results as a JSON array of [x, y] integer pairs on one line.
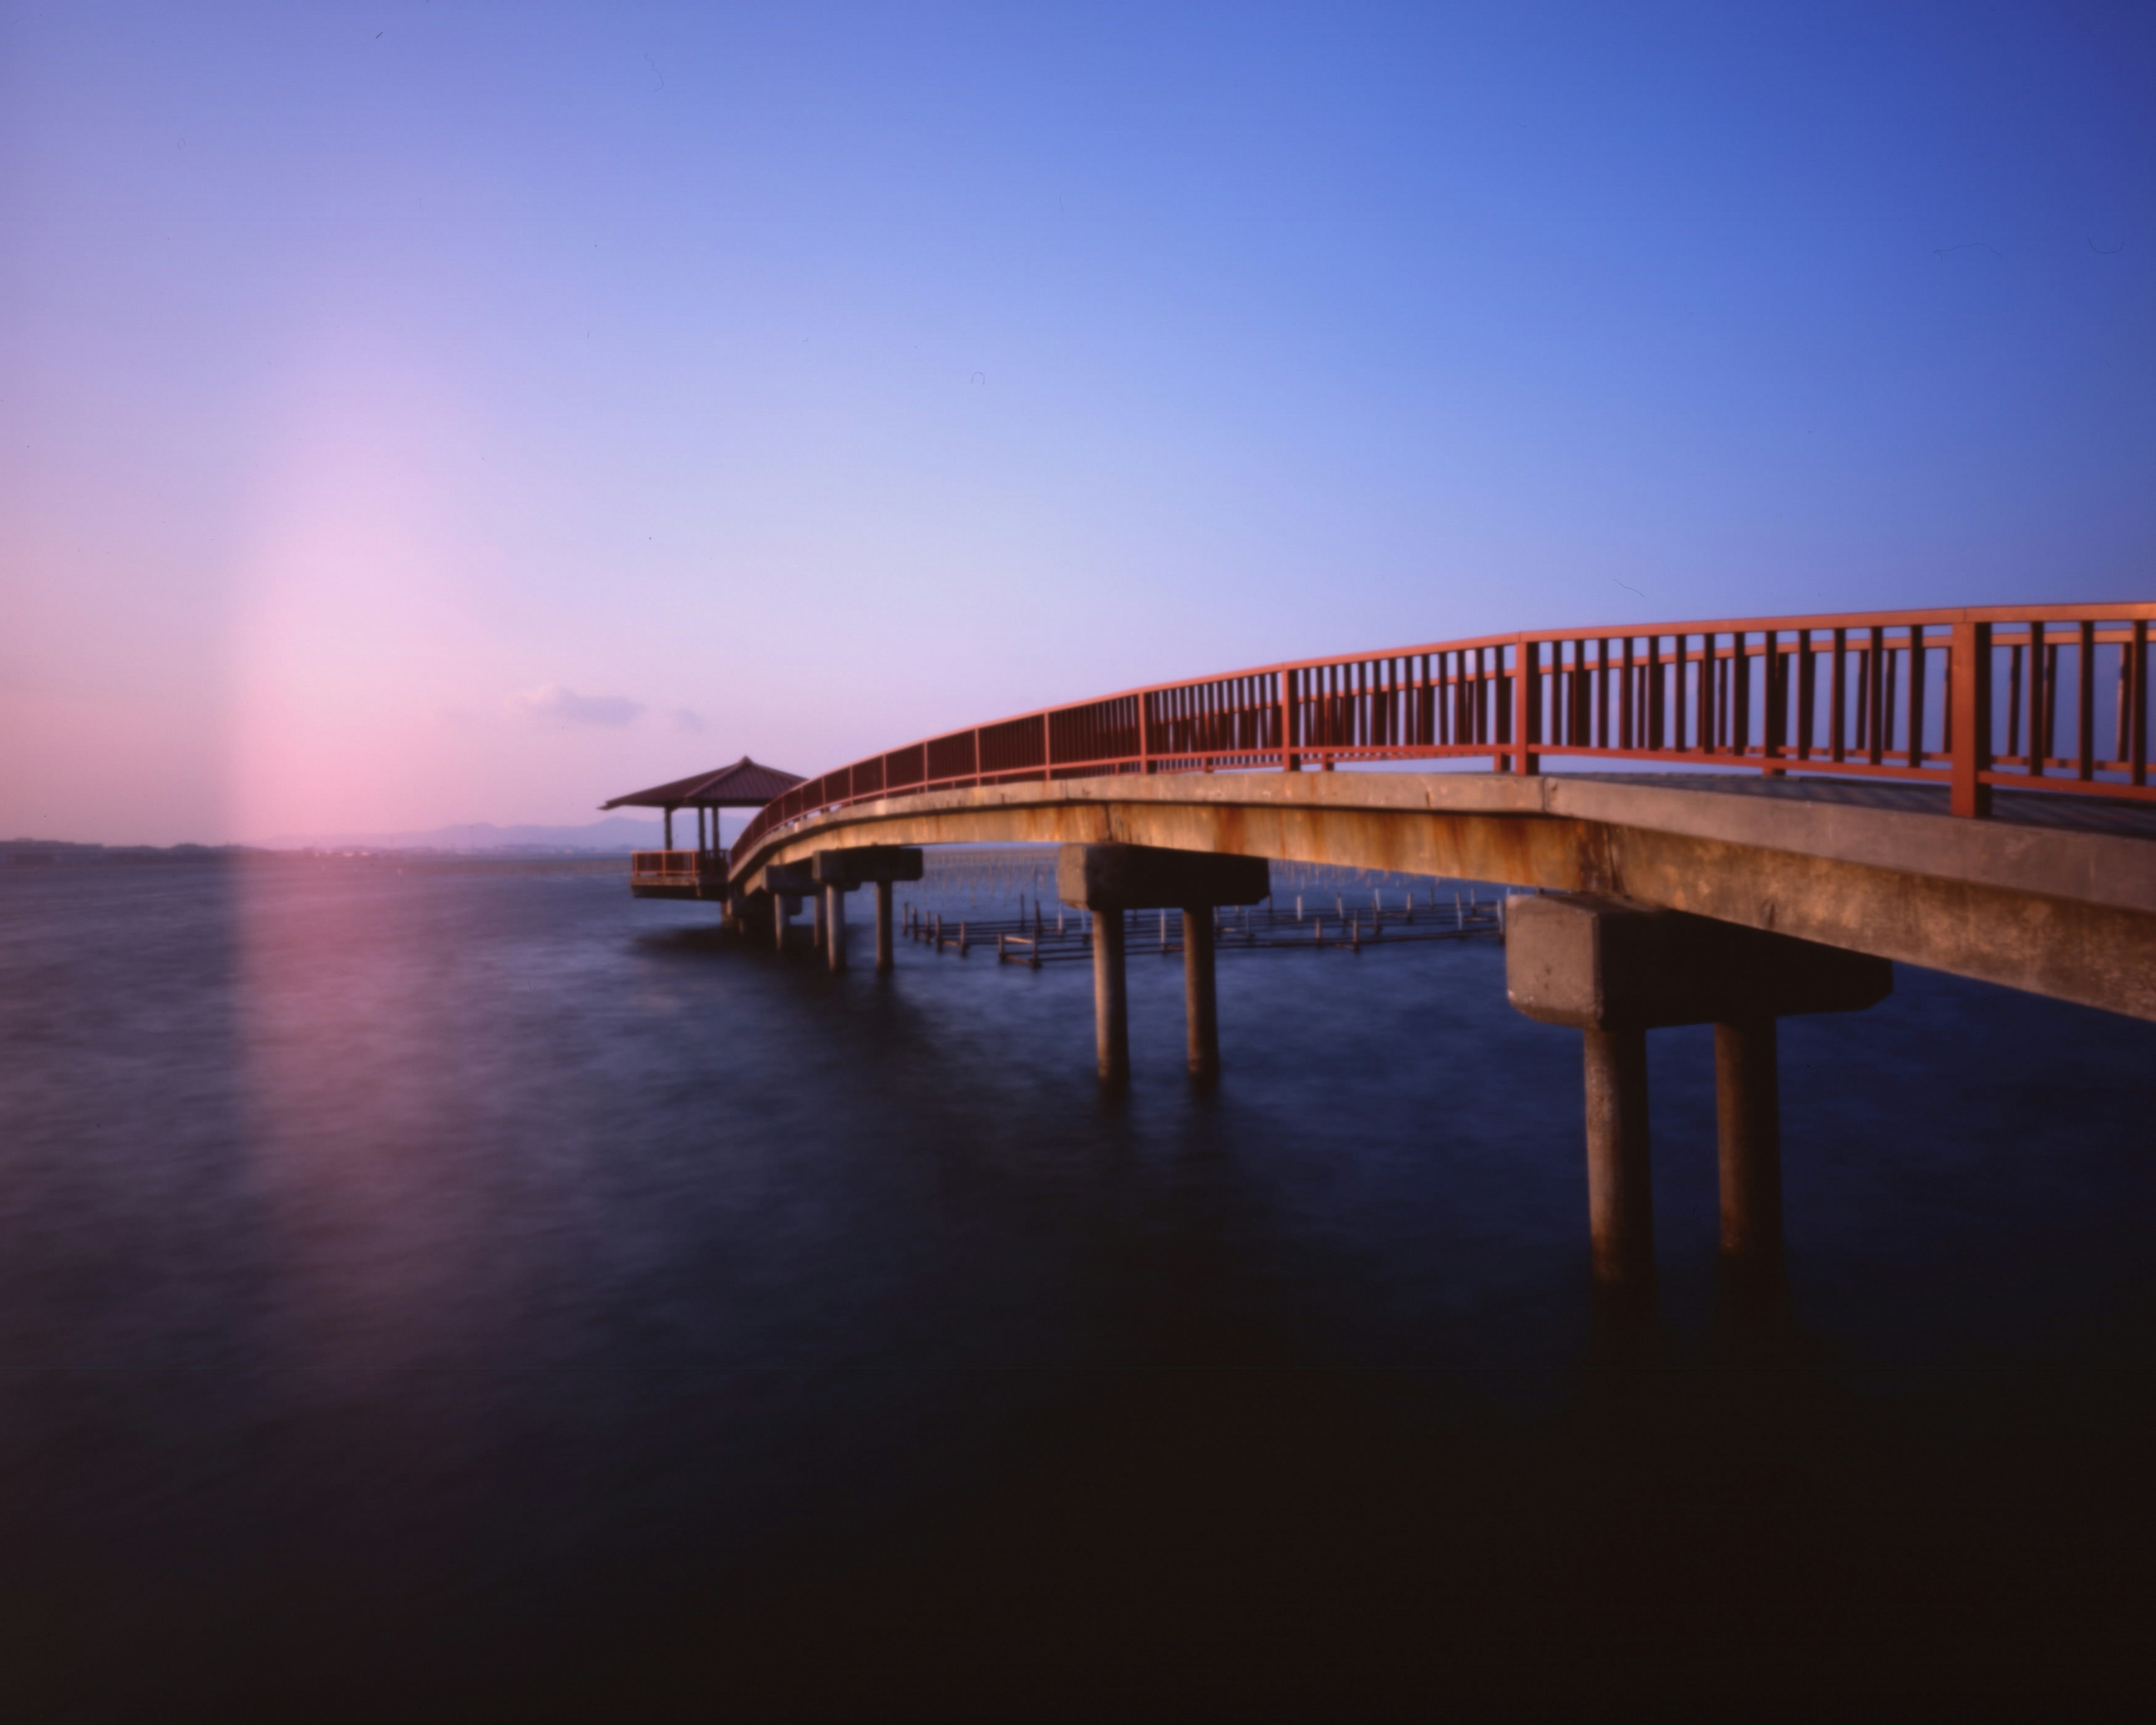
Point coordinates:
[[678, 873]]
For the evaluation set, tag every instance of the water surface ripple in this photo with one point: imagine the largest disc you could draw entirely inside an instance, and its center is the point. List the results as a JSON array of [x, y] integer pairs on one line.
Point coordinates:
[[444, 1294]]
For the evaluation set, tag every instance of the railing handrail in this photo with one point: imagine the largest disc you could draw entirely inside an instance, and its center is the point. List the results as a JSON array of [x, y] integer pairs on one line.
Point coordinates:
[[2126, 612], [676, 861], [1590, 704]]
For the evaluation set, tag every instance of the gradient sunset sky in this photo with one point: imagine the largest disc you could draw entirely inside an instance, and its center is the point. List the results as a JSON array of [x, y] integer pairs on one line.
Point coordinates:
[[428, 413]]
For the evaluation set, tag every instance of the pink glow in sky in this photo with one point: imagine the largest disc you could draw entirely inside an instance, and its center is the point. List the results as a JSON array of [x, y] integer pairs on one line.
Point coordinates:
[[421, 413]]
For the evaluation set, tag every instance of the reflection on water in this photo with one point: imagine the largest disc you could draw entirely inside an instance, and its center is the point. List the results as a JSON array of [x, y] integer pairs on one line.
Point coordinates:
[[444, 1294]]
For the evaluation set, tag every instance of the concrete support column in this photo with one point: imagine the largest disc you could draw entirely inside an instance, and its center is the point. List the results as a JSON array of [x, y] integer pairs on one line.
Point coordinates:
[[1748, 1112], [1200, 1004], [787, 885], [1614, 971], [1620, 1204], [834, 927], [1108, 880], [818, 921], [838, 872], [1112, 1010]]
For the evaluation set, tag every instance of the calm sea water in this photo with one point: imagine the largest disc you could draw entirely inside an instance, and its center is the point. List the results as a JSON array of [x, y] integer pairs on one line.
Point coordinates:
[[441, 1295]]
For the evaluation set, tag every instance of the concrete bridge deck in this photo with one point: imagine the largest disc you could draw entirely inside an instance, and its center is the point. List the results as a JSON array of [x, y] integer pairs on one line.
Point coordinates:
[[2054, 895], [1963, 790]]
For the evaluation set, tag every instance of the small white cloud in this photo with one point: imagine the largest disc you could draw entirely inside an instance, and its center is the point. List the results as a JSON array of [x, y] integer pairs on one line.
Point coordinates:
[[555, 704], [689, 722]]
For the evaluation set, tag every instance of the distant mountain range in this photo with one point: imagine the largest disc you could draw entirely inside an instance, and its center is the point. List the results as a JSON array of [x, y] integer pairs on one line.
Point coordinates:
[[616, 836], [616, 833]]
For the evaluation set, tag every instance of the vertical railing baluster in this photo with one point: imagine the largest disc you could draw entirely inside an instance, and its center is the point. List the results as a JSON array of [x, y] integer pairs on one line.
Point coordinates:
[[1916, 656], [1860, 696], [1837, 729], [1773, 702], [1874, 688], [1860, 677], [1657, 703], [1710, 673], [2137, 715], [2043, 665], [2014, 701], [1703, 722], [2085, 715], [1740, 696], [1889, 666], [1717, 729], [2118, 718]]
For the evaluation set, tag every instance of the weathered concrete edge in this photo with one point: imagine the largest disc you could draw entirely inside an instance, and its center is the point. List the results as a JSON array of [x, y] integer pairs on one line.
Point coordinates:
[[2099, 955], [2089, 868]]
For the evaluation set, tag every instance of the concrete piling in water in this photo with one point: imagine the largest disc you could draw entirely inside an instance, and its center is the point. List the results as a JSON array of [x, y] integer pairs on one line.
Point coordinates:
[[787, 884], [838, 872], [1747, 1120], [1201, 999], [1615, 970], [1112, 1011], [834, 927], [1109, 879], [1621, 1207]]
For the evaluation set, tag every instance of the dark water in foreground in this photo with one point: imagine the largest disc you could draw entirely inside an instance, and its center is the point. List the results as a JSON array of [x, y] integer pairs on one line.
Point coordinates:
[[449, 1295]]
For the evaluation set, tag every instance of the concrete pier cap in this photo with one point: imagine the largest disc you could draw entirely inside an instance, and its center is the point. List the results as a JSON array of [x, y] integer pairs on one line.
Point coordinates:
[[1108, 879], [840, 871], [1614, 970], [792, 880], [866, 865], [1145, 877], [1597, 962]]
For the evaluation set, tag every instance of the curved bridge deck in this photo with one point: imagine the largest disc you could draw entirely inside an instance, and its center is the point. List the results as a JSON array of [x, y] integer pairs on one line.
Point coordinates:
[[1972, 789], [2054, 895], [1971, 794]]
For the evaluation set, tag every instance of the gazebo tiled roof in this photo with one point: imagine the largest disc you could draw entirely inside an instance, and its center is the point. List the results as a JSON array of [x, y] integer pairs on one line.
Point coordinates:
[[745, 784]]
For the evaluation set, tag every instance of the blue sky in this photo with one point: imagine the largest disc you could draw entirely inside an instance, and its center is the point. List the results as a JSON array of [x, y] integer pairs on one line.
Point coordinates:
[[426, 412]]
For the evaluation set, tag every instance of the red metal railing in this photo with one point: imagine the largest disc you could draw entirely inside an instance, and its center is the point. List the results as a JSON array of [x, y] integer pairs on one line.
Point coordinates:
[[2045, 697], [673, 868]]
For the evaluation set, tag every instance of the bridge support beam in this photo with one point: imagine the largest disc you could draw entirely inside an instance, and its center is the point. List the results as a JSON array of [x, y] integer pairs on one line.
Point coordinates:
[[1748, 1122], [1108, 879], [1111, 1006], [834, 927], [787, 884], [746, 912], [1201, 999], [878, 865], [1616, 970], [1620, 1206]]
